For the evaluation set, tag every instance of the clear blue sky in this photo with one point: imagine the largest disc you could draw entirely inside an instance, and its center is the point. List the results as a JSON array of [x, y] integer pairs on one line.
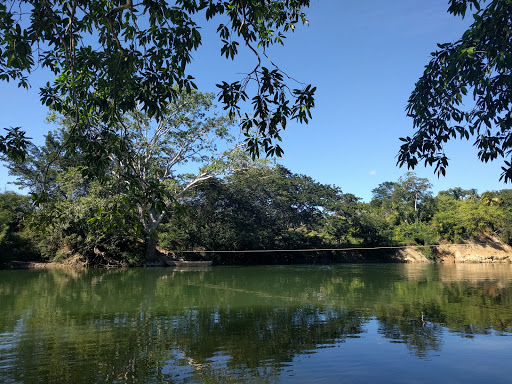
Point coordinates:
[[364, 57]]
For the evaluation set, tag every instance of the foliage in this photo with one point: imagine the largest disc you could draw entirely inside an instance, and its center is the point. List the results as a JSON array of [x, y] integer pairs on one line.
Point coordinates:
[[230, 203], [154, 166], [110, 58], [15, 242], [14, 144], [76, 215], [89, 225], [407, 200], [455, 215], [161, 161], [458, 193], [38, 173], [259, 208], [271, 208], [371, 229], [465, 91], [458, 220], [505, 203], [415, 233]]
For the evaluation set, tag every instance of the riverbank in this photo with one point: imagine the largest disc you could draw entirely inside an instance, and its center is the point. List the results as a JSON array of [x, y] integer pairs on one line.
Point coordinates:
[[74, 262], [485, 249]]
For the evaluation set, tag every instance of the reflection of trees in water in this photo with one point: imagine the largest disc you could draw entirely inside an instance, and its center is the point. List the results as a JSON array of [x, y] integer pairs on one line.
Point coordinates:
[[263, 334], [418, 327], [152, 326], [202, 345], [419, 337], [226, 324]]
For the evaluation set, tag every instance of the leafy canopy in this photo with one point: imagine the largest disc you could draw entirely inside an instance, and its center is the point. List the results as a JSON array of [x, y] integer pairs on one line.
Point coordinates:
[[466, 91], [109, 57]]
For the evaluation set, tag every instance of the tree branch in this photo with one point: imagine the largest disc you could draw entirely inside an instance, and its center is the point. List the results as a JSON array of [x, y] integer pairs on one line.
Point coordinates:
[[128, 5]]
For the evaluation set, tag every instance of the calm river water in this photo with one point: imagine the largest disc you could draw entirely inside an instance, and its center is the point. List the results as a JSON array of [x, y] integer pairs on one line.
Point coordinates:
[[292, 324]]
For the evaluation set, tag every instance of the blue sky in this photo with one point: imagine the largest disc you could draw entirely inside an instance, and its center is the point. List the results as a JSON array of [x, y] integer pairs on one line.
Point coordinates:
[[364, 58]]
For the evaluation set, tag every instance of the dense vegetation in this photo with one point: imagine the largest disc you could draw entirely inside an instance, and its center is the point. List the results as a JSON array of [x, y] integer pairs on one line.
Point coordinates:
[[258, 206], [187, 183]]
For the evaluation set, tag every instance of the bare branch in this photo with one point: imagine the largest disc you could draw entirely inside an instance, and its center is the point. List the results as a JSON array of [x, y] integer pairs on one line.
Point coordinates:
[[121, 8]]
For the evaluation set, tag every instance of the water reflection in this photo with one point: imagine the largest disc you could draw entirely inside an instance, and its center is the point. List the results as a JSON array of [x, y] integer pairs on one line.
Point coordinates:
[[236, 324]]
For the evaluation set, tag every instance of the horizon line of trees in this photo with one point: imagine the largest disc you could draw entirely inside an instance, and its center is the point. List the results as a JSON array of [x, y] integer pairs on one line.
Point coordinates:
[[264, 207]]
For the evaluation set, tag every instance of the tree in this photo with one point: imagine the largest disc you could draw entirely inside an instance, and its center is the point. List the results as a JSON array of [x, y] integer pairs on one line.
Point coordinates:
[[458, 220], [89, 219], [14, 211], [407, 200], [474, 71], [458, 193], [383, 191], [112, 57], [151, 171], [341, 220], [156, 155], [39, 170], [370, 228], [14, 144], [234, 213]]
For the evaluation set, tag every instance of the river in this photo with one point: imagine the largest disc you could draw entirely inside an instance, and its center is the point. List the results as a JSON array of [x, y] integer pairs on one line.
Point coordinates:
[[279, 324]]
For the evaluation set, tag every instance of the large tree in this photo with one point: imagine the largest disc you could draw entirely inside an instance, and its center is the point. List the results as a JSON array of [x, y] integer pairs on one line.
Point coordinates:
[[111, 57], [466, 91], [407, 200], [167, 158], [151, 171]]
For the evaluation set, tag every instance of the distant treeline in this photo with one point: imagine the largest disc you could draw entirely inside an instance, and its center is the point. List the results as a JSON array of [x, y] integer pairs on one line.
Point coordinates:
[[265, 207]]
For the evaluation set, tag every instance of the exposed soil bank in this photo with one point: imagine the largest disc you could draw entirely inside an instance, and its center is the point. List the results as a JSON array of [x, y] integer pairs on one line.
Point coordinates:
[[485, 249]]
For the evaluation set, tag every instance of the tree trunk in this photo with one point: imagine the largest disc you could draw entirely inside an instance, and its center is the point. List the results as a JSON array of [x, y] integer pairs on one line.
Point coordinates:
[[150, 248], [151, 223]]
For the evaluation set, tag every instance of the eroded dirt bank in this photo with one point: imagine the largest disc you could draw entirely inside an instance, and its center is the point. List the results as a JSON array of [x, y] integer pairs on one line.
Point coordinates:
[[485, 249]]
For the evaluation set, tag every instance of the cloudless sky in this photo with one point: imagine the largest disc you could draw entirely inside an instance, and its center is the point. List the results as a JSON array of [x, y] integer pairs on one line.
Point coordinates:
[[364, 58]]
